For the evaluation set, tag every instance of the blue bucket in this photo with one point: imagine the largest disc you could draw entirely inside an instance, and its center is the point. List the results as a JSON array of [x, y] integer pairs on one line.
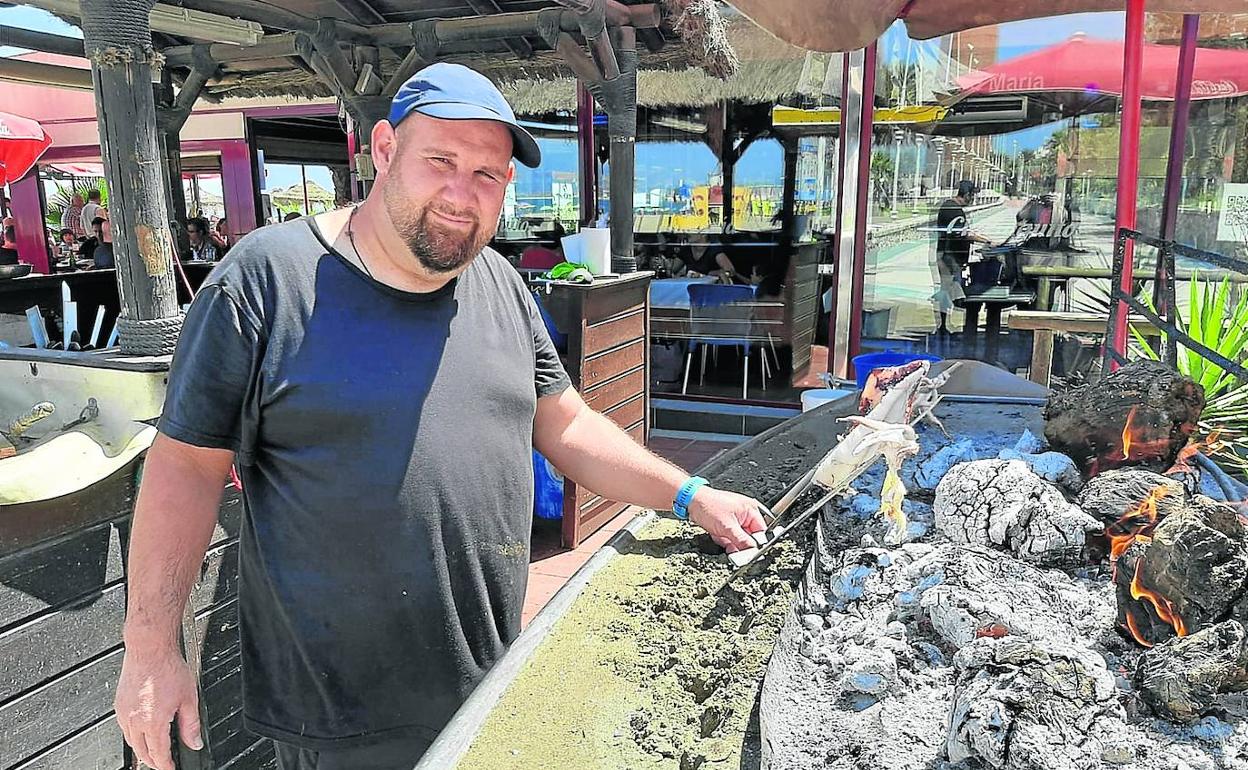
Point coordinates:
[[868, 362], [547, 489]]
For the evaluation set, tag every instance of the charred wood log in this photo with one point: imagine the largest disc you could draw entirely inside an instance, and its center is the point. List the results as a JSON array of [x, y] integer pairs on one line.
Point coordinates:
[[1181, 679], [1141, 415], [1190, 575]]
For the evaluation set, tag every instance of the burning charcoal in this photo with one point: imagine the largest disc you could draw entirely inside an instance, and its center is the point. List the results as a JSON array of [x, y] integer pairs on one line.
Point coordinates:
[[1053, 467], [1003, 503], [1181, 679], [1141, 415], [1026, 704], [1132, 493], [1188, 575]]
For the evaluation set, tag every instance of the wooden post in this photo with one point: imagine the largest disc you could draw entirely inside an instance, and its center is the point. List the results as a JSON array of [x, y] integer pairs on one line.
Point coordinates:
[[728, 161], [788, 205], [117, 40], [618, 98], [587, 157]]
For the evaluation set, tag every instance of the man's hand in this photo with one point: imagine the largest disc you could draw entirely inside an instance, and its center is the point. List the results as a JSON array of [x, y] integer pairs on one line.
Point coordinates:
[[152, 690], [727, 517]]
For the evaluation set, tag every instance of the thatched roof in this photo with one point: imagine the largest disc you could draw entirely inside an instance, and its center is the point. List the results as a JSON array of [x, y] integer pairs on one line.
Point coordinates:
[[770, 71], [692, 34]]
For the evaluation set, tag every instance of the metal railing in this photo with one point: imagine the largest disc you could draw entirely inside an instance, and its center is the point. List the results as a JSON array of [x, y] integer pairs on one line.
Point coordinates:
[[1164, 313]]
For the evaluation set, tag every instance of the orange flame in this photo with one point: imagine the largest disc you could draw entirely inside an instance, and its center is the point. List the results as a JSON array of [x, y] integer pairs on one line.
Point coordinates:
[[1135, 631], [1126, 433], [1135, 525], [1164, 608], [1210, 445]]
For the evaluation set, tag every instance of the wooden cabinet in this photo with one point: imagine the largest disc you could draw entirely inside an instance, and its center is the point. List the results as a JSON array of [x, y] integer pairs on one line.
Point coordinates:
[[608, 359]]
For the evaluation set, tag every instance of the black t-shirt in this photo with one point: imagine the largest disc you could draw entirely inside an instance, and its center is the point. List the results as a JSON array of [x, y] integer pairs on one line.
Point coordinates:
[[384, 442], [103, 256], [8, 256], [952, 227]]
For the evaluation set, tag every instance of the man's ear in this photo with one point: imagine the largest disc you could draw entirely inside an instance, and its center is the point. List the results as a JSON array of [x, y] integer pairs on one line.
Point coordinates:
[[511, 172], [384, 145]]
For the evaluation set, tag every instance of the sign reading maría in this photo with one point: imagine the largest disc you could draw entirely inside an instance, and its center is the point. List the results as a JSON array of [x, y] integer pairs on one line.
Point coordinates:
[[1233, 219]]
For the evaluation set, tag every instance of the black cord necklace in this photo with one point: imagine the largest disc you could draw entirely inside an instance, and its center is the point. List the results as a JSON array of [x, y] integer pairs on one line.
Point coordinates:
[[351, 239]]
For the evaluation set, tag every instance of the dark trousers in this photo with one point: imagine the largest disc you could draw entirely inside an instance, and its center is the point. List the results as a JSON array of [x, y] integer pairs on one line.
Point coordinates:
[[402, 754]]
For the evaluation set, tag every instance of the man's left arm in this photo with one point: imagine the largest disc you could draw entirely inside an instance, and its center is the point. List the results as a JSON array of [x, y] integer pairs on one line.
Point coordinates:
[[595, 453]]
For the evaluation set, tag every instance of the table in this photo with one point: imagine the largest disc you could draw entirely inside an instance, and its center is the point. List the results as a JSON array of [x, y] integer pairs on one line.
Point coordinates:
[[1046, 325], [996, 299], [673, 293]]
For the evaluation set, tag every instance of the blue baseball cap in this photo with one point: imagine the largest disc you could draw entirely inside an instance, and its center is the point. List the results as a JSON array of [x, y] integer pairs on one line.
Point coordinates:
[[455, 92]]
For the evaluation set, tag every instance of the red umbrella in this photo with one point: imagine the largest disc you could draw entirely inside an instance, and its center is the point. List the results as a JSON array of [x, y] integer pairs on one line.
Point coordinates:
[[843, 25], [22, 141], [1081, 71]]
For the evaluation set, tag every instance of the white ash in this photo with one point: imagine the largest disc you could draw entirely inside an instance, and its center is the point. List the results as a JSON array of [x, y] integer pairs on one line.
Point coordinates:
[[1027, 704], [879, 604], [982, 592], [1003, 503], [1029, 443], [1054, 467], [932, 469]]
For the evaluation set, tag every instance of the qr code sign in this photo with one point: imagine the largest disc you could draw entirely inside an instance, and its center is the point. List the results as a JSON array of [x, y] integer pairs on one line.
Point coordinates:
[[1233, 219]]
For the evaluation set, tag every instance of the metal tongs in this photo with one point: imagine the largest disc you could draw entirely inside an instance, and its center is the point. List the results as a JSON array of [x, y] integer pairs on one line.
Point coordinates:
[[918, 408]]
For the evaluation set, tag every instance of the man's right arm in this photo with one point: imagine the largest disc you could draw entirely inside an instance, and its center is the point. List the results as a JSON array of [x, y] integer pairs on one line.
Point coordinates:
[[174, 517]]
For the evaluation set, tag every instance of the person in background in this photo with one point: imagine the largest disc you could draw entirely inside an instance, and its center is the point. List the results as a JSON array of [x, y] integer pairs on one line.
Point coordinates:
[[202, 247], [71, 217], [220, 235], [292, 216], [103, 254], [86, 250], [89, 212], [67, 245], [953, 250], [8, 243]]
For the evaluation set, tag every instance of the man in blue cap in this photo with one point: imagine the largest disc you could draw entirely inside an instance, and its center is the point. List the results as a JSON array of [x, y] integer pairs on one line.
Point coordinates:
[[379, 377]]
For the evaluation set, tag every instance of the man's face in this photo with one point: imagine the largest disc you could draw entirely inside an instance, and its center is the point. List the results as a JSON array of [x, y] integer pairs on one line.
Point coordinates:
[[98, 229], [67, 237], [193, 233], [442, 183]]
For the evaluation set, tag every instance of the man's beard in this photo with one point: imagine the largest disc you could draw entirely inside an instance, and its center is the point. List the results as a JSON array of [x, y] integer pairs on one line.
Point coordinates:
[[438, 249]]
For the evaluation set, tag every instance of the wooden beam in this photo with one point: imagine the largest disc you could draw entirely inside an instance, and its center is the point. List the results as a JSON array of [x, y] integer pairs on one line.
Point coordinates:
[[408, 67], [270, 47], [502, 25], [279, 18], [41, 41], [652, 39], [518, 45], [19, 71]]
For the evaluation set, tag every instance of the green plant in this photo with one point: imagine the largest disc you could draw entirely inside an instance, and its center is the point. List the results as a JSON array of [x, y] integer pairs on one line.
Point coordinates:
[[1215, 323], [63, 197]]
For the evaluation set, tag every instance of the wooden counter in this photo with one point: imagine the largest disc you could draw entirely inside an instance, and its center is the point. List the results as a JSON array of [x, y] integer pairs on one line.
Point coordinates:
[[608, 358]]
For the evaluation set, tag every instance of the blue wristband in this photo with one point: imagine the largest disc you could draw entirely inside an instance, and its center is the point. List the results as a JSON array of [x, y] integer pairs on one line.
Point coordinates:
[[680, 506]]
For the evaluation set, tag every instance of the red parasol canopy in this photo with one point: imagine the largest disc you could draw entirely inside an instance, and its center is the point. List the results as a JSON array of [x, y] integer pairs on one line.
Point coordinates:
[[22, 141], [844, 25], [1091, 67]]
